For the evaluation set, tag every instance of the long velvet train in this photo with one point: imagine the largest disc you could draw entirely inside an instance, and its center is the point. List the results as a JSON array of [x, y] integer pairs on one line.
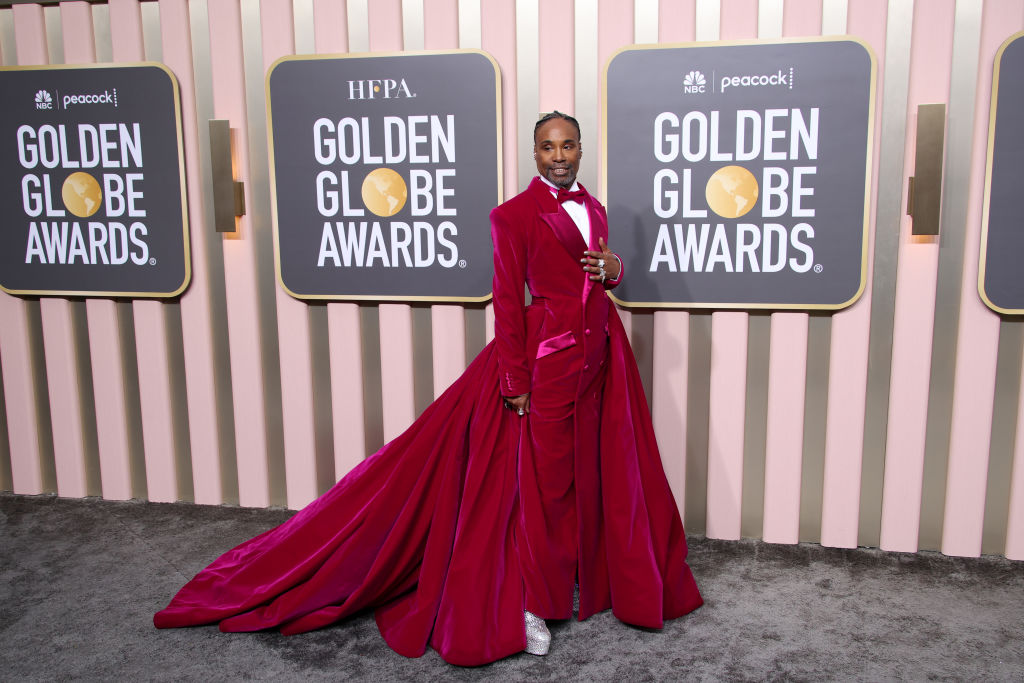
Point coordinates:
[[423, 531]]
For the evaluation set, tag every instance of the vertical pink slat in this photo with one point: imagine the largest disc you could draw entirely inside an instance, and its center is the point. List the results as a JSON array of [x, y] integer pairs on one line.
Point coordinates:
[[489, 323], [627, 322], [784, 438], [58, 328], [448, 338], [151, 347], [240, 264], [346, 387], [614, 31], [914, 319], [1015, 522], [396, 367], [787, 371], [677, 21], [152, 351], [343, 328], [196, 316], [848, 359], [385, 25], [556, 56], [668, 395], [104, 341], [801, 18], [440, 24], [330, 26], [497, 18], [978, 334], [448, 322], [739, 19], [1015, 519], [20, 396], [727, 406], [277, 22], [109, 392], [65, 406]]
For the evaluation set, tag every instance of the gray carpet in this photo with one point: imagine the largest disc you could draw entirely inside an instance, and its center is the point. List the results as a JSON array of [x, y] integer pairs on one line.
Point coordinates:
[[80, 580]]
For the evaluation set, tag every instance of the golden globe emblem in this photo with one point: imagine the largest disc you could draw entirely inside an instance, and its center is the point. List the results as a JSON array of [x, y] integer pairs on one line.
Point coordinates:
[[384, 192], [82, 195], [731, 191]]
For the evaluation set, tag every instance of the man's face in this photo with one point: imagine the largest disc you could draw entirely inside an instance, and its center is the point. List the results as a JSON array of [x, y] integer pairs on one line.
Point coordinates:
[[557, 149]]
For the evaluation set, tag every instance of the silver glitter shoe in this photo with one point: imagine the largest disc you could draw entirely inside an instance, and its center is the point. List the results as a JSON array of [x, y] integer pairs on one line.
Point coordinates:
[[538, 637]]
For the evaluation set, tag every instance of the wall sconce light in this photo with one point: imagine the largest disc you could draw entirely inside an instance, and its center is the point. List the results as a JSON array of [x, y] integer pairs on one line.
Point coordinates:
[[228, 193], [924, 193]]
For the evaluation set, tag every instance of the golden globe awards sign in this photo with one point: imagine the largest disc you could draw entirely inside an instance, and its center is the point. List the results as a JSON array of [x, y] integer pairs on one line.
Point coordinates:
[[738, 175], [1002, 243], [385, 170], [93, 182]]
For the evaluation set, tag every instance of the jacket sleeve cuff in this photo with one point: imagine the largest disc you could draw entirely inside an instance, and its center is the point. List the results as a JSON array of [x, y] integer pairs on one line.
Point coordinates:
[[609, 283], [512, 384]]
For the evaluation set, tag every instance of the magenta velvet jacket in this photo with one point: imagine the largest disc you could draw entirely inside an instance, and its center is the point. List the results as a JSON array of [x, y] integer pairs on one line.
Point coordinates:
[[424, 530], [537, 243]]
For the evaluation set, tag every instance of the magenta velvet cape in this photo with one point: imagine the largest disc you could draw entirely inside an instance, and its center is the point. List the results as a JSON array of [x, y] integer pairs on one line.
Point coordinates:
[[423, 531]]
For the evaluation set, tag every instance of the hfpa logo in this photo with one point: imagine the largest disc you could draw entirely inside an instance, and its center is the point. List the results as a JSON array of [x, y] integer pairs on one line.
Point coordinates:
[[382, 88], [694, 82]]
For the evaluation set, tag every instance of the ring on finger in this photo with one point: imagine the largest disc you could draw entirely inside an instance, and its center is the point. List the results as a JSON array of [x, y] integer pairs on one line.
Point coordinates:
[[600, 263]]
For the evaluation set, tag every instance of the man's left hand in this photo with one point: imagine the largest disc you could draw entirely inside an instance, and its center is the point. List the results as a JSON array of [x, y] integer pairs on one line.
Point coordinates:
[[601, 264]]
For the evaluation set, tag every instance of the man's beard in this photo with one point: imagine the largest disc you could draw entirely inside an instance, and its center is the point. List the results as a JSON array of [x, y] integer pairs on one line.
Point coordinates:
[[565, 181]]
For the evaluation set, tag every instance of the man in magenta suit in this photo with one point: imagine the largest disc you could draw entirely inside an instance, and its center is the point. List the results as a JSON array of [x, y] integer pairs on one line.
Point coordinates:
[[476, 514], [551, 358]]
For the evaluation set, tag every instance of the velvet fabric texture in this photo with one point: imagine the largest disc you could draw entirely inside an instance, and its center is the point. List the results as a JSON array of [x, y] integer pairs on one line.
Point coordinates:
[[443, 531]]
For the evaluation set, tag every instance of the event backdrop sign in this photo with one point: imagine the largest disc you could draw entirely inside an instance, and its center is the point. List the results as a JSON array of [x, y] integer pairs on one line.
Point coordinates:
[[738, 175], [1002, 241], [93, 181], [385, 169]]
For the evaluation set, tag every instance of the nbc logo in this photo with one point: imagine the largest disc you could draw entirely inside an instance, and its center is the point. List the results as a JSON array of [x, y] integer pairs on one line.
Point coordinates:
[[43, 100], [694, 82]]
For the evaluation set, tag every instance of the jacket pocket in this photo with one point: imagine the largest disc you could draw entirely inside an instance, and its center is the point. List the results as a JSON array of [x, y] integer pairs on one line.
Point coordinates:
[[562, 341]]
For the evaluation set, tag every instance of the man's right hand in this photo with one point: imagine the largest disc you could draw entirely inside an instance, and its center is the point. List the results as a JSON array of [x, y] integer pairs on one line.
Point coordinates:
[[520, 404]]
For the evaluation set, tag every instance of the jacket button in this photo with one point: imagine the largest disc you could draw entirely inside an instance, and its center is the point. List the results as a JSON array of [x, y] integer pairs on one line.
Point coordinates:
[[587, 331], [586, 367]]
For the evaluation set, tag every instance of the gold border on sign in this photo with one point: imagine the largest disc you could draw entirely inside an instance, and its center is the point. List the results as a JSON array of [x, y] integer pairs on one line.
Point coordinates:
[[868, 167], [273, 171], [186, 244], [987, 195]]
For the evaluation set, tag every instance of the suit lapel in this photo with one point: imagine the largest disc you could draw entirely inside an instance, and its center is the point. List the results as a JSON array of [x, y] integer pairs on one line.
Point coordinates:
[[598, 228], [559, 221]]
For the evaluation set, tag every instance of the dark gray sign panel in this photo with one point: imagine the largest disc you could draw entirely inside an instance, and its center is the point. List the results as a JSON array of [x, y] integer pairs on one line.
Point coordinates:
[[1000, 282], [385, 169], [738, 175], [92, 181]]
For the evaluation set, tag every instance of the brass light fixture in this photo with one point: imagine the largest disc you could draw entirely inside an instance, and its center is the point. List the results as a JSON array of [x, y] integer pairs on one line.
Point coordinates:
[[924, 194], [228, 193]]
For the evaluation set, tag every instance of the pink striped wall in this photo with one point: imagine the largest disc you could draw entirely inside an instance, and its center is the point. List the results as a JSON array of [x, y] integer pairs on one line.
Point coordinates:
[[220, 396]]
